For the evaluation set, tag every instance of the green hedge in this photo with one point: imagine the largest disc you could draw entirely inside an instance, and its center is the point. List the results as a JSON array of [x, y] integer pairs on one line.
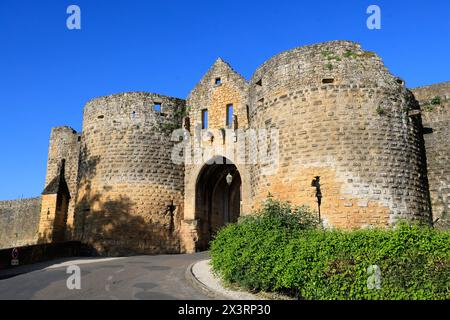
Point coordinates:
[[281, 249]]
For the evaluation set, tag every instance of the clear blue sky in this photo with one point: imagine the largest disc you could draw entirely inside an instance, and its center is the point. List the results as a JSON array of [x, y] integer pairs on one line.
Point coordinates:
[[49, 72]]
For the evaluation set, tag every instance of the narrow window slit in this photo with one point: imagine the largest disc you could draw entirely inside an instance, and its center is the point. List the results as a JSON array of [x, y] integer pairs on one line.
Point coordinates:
[[230, 115], [205, 119]]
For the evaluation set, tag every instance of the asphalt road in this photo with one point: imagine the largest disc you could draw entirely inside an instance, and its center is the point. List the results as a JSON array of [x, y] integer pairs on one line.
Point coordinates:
[[133, 278]]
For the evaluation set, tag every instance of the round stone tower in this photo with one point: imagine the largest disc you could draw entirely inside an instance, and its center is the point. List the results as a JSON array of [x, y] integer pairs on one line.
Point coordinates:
[[340, 115], [130, 194]]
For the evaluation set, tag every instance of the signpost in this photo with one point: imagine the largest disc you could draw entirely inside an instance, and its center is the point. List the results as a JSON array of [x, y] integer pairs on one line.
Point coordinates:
[[15, 257]]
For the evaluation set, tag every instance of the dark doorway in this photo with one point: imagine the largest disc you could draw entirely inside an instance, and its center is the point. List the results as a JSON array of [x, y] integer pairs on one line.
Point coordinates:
[[218, 199]]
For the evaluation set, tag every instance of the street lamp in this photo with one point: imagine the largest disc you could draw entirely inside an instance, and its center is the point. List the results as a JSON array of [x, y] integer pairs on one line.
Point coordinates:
[[316, 184]]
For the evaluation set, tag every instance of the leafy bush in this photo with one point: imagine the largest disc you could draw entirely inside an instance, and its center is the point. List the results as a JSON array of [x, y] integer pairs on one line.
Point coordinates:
[[281, 249], [350, 54], [436, 101]]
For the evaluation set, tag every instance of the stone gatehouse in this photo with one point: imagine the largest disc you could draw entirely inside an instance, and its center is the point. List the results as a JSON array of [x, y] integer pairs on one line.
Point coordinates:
[[154, 174]]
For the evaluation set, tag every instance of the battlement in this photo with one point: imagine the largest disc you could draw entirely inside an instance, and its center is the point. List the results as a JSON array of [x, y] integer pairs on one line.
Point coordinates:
[[427, 93], [64, 129], [434, 101]]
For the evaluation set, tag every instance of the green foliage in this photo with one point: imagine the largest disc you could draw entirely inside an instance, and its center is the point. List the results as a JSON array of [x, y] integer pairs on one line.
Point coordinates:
[[436, 101], [428, 107], [281, 249], [380, 111], [350, 54], [368, 54], [330, 55], [354, 55]]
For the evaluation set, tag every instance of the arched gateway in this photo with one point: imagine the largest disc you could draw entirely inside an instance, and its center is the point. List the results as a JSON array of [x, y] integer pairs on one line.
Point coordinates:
[[217, 198]]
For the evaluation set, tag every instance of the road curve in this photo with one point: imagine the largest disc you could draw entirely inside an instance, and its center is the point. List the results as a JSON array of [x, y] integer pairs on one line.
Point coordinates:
[[132, 278]]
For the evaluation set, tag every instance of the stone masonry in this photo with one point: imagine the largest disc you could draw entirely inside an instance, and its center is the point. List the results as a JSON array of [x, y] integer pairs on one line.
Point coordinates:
[[19, 221], [341, 116], [148, 174], [435, 104]]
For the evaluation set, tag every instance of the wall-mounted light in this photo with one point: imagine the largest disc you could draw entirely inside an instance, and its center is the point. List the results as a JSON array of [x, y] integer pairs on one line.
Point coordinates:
[[171, 210], [316, 184], [229, 179]]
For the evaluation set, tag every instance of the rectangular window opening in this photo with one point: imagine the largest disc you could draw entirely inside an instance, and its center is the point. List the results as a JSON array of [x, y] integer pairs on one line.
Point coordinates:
[[218, 81], [230, 115], [157, 107], [205, 119]]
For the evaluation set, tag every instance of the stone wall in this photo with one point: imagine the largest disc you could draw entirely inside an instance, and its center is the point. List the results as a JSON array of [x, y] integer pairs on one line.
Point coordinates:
[[232, 89], [127, 179], [331, 110], [435, 104], [221, 86], [19, 220], [341, 116], [64, 145]]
